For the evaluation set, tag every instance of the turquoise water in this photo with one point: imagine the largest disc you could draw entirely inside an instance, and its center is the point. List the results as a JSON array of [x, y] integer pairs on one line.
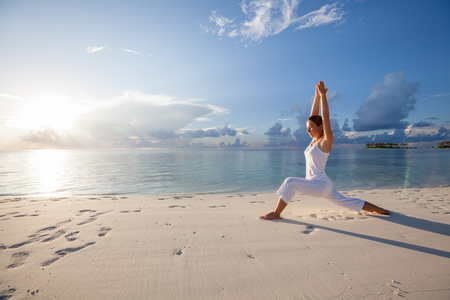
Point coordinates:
[[83, 172]]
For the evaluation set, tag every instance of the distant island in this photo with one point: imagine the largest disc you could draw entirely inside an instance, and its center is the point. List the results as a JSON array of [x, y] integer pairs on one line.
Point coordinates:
[[388, 146], [442, 145]]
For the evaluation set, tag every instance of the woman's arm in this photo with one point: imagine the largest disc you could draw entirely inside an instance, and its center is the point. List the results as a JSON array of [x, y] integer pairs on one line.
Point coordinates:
[[315, 106], [327, 142]]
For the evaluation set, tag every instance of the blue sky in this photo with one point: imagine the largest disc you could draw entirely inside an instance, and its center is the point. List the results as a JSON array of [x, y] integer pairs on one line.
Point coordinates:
[[127, 74]]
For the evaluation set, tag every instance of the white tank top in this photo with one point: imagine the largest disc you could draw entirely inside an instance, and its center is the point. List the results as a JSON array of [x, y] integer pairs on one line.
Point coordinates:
[[315, 162]]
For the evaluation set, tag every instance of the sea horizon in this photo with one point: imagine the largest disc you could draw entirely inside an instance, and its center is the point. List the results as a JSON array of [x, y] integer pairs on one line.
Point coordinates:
[[88, 172]]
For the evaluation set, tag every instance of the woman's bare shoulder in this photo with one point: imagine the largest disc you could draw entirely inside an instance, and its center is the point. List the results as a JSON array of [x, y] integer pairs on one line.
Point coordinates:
[[325, 145]]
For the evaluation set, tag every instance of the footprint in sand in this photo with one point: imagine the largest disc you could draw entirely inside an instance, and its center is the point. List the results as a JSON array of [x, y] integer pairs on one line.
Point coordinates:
[[64, 252], [18, 259], [310, 229], [217, 206], [49, 228], [104, 231], [54, 236], [19, 216], [257, 202], [90, 220], [41, 233], [23, 243], [83, 211], [6, 294], [177, 206], [71, 236], [13, 213]]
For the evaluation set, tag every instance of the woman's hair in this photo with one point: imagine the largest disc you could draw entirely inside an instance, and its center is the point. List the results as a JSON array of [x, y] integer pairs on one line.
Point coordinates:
[[316, 119]]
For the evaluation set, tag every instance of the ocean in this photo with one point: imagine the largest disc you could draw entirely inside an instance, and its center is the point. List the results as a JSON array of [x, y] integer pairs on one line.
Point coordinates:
[[89, 172]]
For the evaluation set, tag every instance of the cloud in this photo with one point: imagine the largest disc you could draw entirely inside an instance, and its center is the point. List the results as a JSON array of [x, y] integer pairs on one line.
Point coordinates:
[[330, 13], [53, 139], [279, 136], [47, 137], [437, 96], [392, 99], [10, 97], [132, 119], [264, 18], [441, 135], [161, 134], [98, 49], [211, 132], [95, 49], [141, 115], [423, 124], [221, 24], [131, 51], [237, 144], [388, 105], [346, 127]]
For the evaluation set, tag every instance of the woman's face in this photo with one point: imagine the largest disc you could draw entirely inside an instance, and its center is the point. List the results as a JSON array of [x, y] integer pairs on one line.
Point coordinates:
[[313, 130]]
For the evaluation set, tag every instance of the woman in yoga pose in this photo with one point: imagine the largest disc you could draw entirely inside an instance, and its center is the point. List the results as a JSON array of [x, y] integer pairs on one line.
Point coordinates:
[[317, 183]]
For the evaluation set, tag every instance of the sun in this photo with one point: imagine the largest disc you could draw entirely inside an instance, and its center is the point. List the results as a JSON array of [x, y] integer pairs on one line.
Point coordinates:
[[55, 111]]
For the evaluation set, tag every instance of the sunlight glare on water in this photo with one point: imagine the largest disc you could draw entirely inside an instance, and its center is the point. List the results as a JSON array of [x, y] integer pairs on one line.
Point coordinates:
[[47, 168]]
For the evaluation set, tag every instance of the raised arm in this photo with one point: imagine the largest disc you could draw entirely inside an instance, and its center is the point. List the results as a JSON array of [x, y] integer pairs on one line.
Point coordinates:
[[327, 142], [315, 106]]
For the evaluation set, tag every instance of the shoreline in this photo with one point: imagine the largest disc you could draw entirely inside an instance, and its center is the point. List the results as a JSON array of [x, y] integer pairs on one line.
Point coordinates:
[[214, 246], [140, 194]]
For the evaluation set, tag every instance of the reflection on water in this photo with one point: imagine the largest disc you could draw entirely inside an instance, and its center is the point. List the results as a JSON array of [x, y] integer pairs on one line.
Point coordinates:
[[197, 171], [46, 167]]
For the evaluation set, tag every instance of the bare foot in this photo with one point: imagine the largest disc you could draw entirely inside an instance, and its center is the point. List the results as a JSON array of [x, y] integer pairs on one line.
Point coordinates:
[[375, 209], [271, 216], [382, 211]]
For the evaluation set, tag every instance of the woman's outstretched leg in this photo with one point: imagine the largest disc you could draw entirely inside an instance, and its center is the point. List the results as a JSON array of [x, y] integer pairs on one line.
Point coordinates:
[[276, 214], [375, 209]]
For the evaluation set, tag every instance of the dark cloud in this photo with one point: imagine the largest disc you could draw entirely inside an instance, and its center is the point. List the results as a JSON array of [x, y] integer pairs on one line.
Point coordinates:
[[237, 144], [423, 124], [277, 130], [213, 132], [388, 105], [346, 127], [279, 136]]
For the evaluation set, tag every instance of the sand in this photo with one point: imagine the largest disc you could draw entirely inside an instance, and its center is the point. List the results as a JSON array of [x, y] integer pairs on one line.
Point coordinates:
[[214, 246]]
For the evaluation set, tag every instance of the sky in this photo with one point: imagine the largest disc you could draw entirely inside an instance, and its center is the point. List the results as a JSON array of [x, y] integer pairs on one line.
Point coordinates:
[[221, 74]]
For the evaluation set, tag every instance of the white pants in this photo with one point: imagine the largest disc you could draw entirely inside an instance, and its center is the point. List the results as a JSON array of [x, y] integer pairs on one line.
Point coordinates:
[[317, 188]]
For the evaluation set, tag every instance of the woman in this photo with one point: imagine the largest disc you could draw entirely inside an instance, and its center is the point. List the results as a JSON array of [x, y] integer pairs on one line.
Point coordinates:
[[317, 183]]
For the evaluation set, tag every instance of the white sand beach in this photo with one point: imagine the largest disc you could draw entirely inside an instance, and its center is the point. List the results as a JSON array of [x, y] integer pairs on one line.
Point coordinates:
[[214, 246]]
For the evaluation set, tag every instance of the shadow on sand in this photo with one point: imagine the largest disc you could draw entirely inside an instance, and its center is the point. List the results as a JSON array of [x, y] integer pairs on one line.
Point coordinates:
[[397, 218], [413, 222]]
